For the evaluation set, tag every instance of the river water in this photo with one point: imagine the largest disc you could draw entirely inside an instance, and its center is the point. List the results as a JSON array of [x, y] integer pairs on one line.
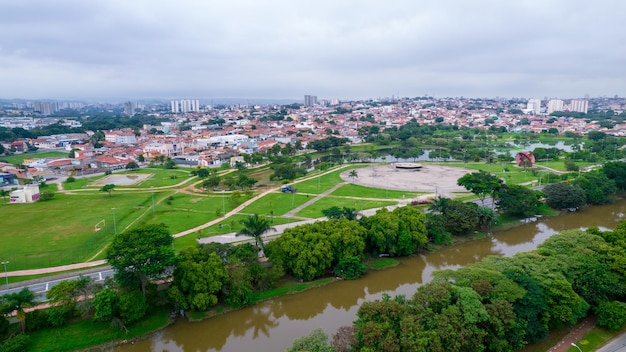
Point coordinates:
[[274, 324]]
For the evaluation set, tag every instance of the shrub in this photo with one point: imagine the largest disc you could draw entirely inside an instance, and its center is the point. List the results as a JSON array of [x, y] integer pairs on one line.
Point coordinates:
[[350, 268]]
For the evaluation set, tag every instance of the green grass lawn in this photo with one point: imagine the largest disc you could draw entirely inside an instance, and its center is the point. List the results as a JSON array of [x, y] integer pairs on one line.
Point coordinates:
[[159, 178], [19, 158], [278, 202], [186, 211], [352, 190], [320, 184], [233, 224], [61, 231], [315, 209]]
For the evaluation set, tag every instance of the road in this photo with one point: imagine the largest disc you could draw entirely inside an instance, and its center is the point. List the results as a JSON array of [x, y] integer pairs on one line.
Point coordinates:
[[618, 344], [41, 286]]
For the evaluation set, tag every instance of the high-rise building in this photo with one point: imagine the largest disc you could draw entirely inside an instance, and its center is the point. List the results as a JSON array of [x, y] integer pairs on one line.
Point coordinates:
[[578, 105], [534, 105], [310, 100], [555, 105], [185, 105]]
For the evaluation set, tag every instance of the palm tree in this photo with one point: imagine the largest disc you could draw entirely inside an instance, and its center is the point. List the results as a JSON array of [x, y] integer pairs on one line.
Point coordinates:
[[17, 302], [354, 174], [439, 204], [255, 226]]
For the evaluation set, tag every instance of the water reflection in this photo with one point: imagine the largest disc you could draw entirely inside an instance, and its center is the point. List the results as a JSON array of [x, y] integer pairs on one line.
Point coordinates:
[[273, 325]]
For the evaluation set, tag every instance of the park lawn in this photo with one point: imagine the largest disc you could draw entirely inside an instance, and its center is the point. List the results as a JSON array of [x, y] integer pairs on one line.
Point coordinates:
[[80, 183], [323, 183], [188, 211], [19, 158], [352, 190], [61, 231], [277, 202], [560, 164], [315, 210], [233, 224], [514, 176], [86, 334], [160, 177]]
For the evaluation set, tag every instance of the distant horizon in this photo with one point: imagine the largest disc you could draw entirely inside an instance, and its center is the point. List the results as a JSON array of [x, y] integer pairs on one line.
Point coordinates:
[[279, 101]]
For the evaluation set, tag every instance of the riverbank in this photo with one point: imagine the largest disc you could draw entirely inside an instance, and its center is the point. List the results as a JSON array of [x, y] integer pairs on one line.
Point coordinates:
[[303, 312]]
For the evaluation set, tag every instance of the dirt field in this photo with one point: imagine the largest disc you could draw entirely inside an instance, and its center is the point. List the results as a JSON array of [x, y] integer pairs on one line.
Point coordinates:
[[430, 178]]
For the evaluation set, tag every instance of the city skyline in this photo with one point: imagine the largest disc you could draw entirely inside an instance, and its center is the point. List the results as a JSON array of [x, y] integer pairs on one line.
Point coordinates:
[[282, 50]]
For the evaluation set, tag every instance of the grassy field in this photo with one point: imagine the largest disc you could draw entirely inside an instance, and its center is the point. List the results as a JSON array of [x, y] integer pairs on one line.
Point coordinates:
[[159, 178], [61, 231], [323, 183], [279, 203], [315, 209], [19, 158], [352, 190], [87, 333]]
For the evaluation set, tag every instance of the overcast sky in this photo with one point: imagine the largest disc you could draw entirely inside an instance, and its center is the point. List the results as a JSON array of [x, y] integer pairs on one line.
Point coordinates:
[[344, 49]]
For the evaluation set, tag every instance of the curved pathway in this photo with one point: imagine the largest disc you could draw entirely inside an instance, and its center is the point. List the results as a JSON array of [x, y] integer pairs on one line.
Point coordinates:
[[180, 234]]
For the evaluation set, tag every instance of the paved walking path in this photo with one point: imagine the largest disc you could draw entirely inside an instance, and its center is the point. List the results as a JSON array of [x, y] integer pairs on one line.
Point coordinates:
[[292, 213], [576, 333], [180, 234]]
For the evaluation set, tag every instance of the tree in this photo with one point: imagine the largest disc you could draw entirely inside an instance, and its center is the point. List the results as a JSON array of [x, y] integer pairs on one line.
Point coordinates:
[[198, 279], [255, 226], [597, 186], [108, 188], [211, 182], [47, 195], [68, 298], [564, 196], [203, 173], [131, 165], [141, 254], [335, 212], [350, 268], [517, 200], [481, 184], [354, 174], [4, 193], [18, 301], [169, 164], [612, 315], [316, 341], [616, 171]]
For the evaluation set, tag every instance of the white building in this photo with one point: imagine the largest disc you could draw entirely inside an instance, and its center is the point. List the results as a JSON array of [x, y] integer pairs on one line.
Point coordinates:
[[29, 194], [534, 106], [119, 137], [555, 105], [232, 140], [185, 105], [578, 105]]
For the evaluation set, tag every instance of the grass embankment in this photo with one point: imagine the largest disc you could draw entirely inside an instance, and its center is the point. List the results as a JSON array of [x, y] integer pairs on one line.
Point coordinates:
[[352, 190], [87, 333], [382, 263], [277, 202]]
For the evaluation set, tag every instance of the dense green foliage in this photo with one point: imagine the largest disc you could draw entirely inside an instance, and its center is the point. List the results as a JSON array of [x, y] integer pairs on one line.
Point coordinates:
[[140, 254], [501, 304], [564, 196]]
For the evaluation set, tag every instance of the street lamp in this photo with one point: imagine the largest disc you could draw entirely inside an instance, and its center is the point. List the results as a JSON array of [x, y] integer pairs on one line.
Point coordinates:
[[152, 189], [573, 344], [223, 206], [114, 223], [6, 273]]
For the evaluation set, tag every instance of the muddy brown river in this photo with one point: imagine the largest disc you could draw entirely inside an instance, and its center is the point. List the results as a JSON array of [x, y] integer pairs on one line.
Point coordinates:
[[274, 324]]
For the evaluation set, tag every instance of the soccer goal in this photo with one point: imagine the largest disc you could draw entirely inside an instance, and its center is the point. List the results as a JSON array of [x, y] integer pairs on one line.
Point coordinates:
[[99, 225]]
